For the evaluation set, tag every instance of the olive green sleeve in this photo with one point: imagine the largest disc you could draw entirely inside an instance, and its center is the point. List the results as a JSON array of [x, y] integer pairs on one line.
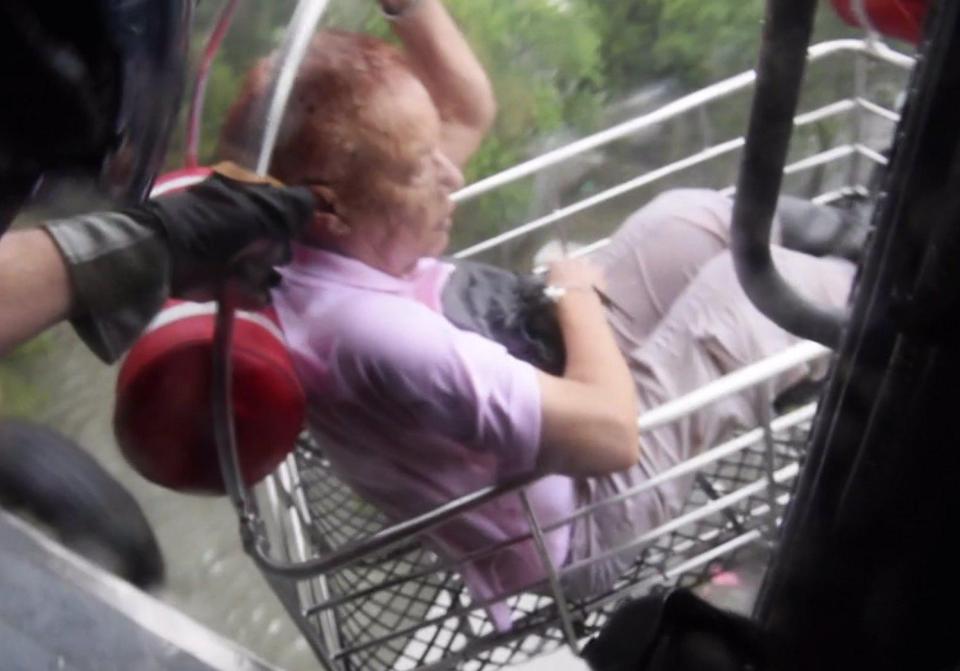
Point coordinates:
[[120, 272]]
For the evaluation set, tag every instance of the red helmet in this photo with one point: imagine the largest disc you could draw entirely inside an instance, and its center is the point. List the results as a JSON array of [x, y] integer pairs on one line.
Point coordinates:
[[163, 418], [902, 19]]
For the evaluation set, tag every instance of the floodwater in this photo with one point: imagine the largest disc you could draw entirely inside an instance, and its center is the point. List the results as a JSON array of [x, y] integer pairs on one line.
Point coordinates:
[[208, 576]]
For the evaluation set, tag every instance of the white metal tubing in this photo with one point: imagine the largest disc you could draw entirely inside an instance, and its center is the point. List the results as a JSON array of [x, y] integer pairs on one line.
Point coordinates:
[[693, 464], [706, 95], [873, 155], [822, 199], [821, 158], [713, 553], [642, 587], [302, 26], [553, 579], [827, 111], [782, 475], [732, 383], [609, 194], [837, 194], [878, 110]]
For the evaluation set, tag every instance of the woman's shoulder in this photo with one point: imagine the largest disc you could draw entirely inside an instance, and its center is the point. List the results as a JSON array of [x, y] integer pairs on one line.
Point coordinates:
[[389, 328]]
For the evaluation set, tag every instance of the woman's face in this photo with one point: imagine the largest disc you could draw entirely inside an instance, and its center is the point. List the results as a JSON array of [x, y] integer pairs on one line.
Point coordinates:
[[398, 205]]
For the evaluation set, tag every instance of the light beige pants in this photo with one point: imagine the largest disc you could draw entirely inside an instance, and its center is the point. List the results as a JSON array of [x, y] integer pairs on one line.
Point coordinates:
[[669, 268]]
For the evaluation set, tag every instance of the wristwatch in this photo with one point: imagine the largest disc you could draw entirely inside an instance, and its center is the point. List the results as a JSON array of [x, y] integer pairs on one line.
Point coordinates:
[[555, 291]]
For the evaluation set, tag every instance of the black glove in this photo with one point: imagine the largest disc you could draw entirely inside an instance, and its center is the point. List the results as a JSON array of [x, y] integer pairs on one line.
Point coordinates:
[[210, 226], [507, 308], [123, 265]]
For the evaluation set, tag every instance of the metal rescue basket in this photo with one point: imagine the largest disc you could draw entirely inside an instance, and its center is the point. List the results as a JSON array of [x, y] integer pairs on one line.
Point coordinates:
[[369, 594]]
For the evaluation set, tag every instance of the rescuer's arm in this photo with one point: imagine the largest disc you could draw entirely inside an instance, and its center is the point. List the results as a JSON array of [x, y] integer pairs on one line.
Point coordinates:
[[110, 272]]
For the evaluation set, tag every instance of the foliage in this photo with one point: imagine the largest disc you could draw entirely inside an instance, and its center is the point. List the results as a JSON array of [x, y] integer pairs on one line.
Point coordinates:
[[691, 41], [18, 395]]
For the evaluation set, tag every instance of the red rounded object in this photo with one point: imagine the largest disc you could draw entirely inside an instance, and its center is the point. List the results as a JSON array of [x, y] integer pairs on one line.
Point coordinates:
[[163, 418], [902, 19]]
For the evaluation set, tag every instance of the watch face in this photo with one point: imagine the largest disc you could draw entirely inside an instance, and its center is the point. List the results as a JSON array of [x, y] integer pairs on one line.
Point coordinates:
[[554, 292]]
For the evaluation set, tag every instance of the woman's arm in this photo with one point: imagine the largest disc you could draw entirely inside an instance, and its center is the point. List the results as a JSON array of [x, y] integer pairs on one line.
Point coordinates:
[[589, 416], [445, 63]]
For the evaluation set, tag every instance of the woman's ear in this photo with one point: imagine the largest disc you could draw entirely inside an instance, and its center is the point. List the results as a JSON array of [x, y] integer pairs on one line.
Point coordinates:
[[326, 217]]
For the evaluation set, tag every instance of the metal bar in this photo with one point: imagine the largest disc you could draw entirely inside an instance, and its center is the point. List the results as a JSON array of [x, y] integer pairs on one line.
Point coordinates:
[[765, 404], [221, 401], [823, 199], [711, 508], [710, 534], [860, 92], [820, 158], [469, 651], [827, 111], [874, 156], [807, 163], [713, 553], [878, 51], [603, 196], [641, 587], [878, 110], [302, 27], [833, 196], [558, 596], [732, 383], [390, 536], [783, 56], [703, 482]]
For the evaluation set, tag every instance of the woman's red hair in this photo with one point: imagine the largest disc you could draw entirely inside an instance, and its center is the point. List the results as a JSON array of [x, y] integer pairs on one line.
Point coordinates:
[[340, 77]]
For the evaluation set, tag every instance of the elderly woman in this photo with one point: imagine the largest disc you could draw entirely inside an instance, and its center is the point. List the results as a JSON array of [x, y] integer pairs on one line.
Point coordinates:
[[415, 407]]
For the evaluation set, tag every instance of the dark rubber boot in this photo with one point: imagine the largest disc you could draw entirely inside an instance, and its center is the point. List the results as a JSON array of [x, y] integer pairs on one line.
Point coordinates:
[[822, 230]]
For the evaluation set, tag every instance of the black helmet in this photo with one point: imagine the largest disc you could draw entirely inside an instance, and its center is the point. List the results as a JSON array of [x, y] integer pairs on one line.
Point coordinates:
[[90, 87]]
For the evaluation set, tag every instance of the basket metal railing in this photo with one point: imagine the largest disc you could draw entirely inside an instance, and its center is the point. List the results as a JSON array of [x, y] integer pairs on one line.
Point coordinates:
[[368, 593]]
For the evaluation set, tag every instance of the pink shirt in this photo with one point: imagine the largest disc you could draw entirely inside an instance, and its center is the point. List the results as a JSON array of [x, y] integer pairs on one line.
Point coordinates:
[[414, 412]]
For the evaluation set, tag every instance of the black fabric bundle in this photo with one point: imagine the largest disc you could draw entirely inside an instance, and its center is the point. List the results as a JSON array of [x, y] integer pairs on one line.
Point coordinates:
[[508, 308]]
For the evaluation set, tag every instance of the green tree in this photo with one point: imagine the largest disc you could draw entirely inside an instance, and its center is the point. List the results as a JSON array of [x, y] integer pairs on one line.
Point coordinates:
[[19, 395], [544, 60]]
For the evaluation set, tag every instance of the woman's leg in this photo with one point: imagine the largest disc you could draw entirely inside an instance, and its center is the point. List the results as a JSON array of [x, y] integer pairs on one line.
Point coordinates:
[[656, 253], [711, 330]]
